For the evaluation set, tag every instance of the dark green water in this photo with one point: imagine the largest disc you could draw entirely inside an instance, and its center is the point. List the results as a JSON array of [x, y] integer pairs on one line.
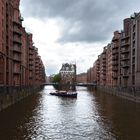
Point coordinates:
[[92, 116]]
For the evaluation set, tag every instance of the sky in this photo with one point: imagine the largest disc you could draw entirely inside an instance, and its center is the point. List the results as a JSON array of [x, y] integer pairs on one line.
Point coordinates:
[[73, 31]]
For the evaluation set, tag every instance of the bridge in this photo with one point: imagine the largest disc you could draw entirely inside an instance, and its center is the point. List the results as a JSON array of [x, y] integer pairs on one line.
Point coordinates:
[[76, 84]]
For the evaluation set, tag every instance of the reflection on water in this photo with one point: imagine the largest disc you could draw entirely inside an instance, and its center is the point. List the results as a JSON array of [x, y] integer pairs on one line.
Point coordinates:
[[90, 116]]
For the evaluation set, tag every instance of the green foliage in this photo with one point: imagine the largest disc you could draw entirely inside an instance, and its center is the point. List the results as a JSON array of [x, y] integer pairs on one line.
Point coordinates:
[[56, 78]]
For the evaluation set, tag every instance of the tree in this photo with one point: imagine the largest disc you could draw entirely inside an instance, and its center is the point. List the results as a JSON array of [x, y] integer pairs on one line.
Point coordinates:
[[56, 78]]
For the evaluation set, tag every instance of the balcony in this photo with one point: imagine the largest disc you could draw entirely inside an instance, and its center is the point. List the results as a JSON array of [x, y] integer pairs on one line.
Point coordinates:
[[125, 65], [115, 38], [36, 65], [30, 64], [17, 30], [115, 76], [21, 18], [115, 51], [125, 75], [124, 37], [125, 57], [31, 47], [103, 56], [37, 69], [124, 44], [30, 58], [104, 72], [19, 23], [115, 57], [36, 62], [115, 68], [104, 78], [104, 66], [31, 52], [17, 71], [124, 50], [17, 40], [115, 63], [104, 62], [98, 72], [17, 49], [17, 58], [115, 46]]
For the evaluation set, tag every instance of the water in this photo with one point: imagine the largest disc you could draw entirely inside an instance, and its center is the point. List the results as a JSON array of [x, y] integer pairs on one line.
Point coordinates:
[[92, 116]]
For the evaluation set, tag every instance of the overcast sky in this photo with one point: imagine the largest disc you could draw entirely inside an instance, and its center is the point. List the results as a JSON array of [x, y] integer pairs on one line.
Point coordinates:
[[74, 31]]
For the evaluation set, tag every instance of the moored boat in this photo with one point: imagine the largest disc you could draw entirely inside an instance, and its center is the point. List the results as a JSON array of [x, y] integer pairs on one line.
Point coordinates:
[[64, 93]]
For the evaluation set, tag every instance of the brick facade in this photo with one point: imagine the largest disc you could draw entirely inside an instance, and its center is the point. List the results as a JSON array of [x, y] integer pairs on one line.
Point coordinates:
[[20, 63], [81, 78], [119, 63]]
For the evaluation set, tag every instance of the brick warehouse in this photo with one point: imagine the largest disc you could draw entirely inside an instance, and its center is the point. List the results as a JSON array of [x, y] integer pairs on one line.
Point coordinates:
[[20, 63], [118, 66], [119, 63], [21, 69]]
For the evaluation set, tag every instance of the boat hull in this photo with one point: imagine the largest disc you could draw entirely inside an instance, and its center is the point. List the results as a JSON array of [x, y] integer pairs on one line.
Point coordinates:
[[72, 95]]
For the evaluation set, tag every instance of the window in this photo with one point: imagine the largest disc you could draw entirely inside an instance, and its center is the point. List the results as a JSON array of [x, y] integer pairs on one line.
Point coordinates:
[[2, 10], [2, 22]]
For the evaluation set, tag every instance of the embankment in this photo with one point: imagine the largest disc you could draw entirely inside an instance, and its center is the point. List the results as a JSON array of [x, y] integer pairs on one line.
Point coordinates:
[[126, 93], [13, 94]]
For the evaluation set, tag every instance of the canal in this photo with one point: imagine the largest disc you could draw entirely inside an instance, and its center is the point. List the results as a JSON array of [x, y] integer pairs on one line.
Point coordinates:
[[92, 116]]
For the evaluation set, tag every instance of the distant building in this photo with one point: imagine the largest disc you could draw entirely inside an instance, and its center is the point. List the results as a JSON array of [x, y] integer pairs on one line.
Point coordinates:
[[68, 73], [81, 78], [48, 79], [90, 75]]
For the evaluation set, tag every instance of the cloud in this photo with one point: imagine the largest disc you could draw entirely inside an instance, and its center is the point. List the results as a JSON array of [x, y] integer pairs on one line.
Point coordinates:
[[85, 20], [73, 30]]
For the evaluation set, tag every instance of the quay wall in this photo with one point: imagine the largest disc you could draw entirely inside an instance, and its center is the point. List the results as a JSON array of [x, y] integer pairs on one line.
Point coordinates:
[[11, 95], [129, 93]]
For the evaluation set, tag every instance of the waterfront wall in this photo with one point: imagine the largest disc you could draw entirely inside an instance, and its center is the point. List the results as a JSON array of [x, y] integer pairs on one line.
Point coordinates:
[[129, 93], [11, 95]]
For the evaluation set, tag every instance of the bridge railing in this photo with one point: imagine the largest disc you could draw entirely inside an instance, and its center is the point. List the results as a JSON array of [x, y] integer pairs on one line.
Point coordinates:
[[76, 84]]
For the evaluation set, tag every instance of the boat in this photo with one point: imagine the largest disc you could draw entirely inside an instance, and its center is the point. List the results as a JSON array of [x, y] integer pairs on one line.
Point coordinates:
[[64, 93]]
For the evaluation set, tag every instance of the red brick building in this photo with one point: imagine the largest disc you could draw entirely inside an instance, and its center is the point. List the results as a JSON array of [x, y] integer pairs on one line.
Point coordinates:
[[20, 63], [90, 75], [109, 70], [81, 78], [116, 58], [119, 63]]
